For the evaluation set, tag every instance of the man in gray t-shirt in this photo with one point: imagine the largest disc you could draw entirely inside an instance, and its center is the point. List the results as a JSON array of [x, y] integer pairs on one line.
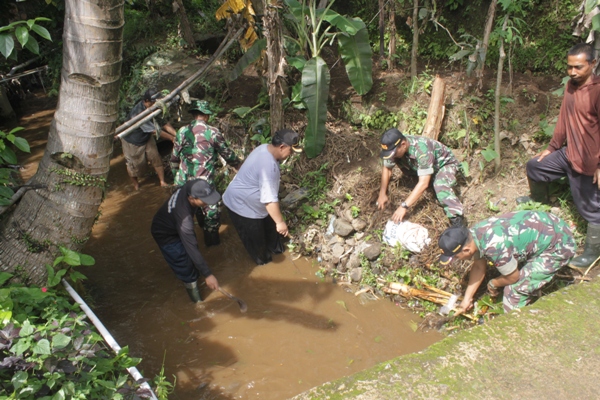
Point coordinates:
[[252, 197]]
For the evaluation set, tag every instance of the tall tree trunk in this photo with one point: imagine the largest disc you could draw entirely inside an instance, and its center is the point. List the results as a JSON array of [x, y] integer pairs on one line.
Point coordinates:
[[276, 61], [186, 29], [415, 45], [498, 160], [392, 31], [79, 145], [381, 29], [489, 24]]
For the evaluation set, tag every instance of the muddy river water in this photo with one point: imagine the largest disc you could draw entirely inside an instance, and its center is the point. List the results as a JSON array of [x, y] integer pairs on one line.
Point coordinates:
[[299, 330]]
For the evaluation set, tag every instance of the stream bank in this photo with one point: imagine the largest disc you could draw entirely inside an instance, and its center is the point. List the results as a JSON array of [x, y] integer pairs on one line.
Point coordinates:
[[549, 350]]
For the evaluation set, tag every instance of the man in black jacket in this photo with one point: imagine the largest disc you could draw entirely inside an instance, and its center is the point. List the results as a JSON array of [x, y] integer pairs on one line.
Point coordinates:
[[173, 231]]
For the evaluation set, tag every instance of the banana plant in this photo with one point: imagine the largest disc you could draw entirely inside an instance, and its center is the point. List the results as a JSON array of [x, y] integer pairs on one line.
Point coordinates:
[[315, 28]]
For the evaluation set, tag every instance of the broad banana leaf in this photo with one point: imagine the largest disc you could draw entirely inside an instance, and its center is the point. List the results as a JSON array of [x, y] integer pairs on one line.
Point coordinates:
[[248, 58], [315, 91], [356, 54], [346, 25]]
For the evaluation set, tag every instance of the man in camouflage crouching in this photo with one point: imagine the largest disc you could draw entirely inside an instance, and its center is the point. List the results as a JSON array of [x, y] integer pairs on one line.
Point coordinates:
[[527, 248], [429, 160], [195, 152]]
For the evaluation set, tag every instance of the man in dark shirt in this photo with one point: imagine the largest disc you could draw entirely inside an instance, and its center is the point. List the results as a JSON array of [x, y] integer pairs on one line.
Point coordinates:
[[578, 127], [139, 146], [173, 231]]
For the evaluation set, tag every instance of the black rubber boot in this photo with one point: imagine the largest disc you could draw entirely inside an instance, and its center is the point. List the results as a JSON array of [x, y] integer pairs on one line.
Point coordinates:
[[459, 220], [193, 292], [591, 250], [539, 193], [211, 238]]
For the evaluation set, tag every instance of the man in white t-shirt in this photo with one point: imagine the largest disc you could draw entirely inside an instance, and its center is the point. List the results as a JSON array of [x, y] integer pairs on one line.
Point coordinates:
[[252, 197]]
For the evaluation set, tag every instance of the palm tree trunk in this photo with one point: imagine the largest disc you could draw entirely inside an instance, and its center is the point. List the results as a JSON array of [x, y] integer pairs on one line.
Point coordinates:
[[76, 160]]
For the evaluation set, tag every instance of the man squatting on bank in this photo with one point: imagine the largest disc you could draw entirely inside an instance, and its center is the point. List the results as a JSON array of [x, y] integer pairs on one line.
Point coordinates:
[[526, 247], [426, 158], [173, 231]]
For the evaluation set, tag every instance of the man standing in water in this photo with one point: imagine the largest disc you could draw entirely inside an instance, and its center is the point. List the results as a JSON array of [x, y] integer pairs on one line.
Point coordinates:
[[527, 248], [578, 127], [139, 146], [173, 231], [252, 198], [195, 153]]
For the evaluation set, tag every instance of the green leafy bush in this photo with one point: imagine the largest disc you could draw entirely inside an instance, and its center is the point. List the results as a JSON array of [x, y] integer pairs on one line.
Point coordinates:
[[49, 351]]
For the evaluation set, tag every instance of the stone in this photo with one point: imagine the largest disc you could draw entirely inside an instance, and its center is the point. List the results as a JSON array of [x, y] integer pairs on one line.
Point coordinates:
[[356, 274], [337, 250], [294, 197], [372, 250], [358, 224], [341, 267], [353, 261], [342, 227], [350, 242], [359, 235]]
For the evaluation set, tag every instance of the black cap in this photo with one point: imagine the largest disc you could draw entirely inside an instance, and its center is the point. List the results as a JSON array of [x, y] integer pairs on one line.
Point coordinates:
[[390, 139], [451, 242], [288, 137], [200, 189], [152, 94]]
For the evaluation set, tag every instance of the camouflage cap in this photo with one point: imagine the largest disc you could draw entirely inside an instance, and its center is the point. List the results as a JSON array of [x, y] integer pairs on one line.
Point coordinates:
[[200, 106]]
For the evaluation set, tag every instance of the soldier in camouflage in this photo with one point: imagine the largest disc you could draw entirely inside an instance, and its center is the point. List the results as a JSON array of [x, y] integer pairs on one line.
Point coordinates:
[[195, 152], [527, 248], [429, 160]]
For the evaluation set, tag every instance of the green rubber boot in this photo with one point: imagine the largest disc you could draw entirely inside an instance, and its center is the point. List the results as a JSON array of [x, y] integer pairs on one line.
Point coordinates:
[[539, 193], [193, 292], [591, 251]]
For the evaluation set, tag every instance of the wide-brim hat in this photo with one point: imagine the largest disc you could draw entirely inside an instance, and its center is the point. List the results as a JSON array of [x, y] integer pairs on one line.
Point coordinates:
[[200, 106]]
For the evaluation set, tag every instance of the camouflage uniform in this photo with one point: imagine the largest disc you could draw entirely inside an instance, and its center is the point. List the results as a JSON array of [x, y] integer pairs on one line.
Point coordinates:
[[539, 242], [429, 157], [195, 153]]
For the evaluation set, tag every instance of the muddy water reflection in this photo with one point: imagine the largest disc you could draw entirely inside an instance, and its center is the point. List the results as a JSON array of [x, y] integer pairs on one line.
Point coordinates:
[[298, 332]]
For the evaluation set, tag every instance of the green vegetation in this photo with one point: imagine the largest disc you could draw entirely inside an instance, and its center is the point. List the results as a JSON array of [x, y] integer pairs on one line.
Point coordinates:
[[49, 349]]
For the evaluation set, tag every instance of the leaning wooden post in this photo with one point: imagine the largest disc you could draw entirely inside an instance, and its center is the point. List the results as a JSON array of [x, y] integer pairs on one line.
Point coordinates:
[[435, 113]]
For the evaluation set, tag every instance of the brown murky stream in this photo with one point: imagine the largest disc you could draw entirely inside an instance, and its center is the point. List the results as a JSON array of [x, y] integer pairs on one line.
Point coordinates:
[[299, 331]]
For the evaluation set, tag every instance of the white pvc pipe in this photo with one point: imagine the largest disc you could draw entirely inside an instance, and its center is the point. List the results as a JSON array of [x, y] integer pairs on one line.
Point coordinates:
[[133, 371]]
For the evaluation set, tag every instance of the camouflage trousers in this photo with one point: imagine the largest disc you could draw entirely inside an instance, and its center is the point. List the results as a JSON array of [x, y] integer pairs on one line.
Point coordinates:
[[537, 273], [209, 217], [443, 185]]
